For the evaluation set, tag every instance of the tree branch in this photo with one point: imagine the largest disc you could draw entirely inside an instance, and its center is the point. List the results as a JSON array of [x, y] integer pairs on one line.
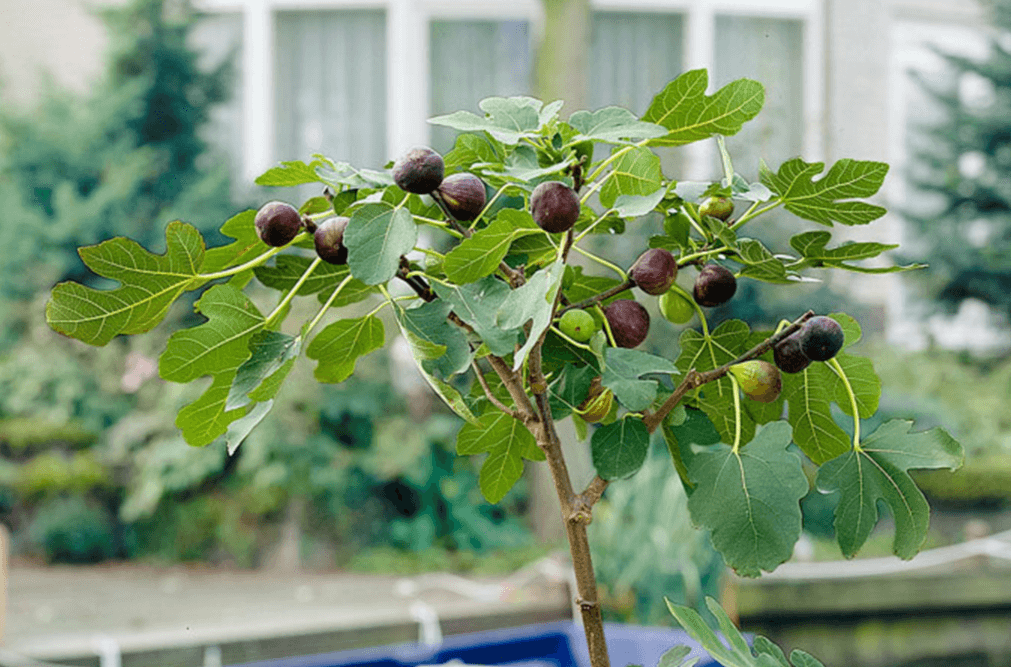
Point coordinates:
[[606, 294], [490, 396]]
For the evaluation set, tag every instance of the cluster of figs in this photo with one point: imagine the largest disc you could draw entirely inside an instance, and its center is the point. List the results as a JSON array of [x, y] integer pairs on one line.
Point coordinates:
[[555, 207]]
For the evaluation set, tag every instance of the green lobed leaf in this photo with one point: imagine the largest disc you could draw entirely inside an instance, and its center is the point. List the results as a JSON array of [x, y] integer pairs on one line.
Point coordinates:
[[570, 389], [338, 347], [246, 246], [149, 284], [877, 471], [507, 442], [477, 304], [439, 345], [287, 270], [820, 201], [290, 174], [240, 429], [750, 499], [584, 286], [814, 253], [269, 352], [636, 172], [508, 119], [690, 115], [376, 236], [341, 175], [612, 125], [635, 206], [760, 264], [481, 254], [622, 370], [532, 302], [697, 629], [619, 449]]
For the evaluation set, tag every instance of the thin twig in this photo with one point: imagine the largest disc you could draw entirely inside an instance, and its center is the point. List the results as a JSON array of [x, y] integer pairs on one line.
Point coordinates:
[[490, 396], [606, 294]]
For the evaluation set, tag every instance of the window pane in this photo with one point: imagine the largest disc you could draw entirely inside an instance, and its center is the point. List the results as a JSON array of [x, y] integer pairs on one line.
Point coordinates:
[[472, 60], [216, 37], [769, 51], [330, 73], [633, 55]]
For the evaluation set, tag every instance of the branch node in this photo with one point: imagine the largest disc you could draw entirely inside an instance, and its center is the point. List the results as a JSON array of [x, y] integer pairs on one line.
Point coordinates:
[[586, 605]]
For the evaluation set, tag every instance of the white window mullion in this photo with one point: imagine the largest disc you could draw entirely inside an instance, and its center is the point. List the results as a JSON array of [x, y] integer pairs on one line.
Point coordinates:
[[814, 84], [258, 88], [407, 76], [700, 54]]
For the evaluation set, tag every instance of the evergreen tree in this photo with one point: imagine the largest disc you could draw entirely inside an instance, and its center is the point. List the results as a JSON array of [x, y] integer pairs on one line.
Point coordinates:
[[960, 176], [124, 159]]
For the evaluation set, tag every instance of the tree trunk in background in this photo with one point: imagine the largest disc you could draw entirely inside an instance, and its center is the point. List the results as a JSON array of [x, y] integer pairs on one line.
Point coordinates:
[[560, 73]]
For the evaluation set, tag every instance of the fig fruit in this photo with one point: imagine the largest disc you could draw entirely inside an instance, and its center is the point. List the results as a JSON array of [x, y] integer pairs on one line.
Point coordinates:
[[714, 286], [329, 240], [554, 206], [759, 380], [598, 403], [654, 272], [629, 322], [277, 223], [578, 325], [675, 307], [464, 195], [419, 170], [821, 338], [717, 207], [789, 354]]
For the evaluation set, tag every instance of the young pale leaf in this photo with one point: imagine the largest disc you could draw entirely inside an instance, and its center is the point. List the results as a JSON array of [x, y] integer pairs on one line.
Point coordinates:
[[533, 302], [338, 346], [760, 264], [697, 629], [506, 119], [269, 351], [675, 657], [803, 659], [216, 348], [690, 115], [877, 470], [619, 449], [239, 429], [149, 284], [814, 253], [290, 174], [443, 347], [622, 370], [612, 125], [750, 499], [481, 254], [819, 201], [477, 304], [636, 172], [507, 442], [635, 206], [468, 149], [376, 236]]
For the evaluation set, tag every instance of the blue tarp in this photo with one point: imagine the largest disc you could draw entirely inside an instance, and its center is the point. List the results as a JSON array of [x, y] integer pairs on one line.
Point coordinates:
[[561, 644]]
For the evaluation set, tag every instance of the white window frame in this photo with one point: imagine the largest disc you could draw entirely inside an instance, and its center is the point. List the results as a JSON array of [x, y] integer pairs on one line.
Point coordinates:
[[407, 35]]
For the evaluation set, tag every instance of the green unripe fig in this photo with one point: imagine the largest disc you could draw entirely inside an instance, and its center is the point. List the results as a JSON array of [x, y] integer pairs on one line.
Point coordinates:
[[789, 354], [329, 240], [419, 170], [654, 272], [464, 195], [277, 223], [675, 307], [717, 207], [714, 286], [821, 338], [629, 322], [554, 207], [578, 325], [759, 380], [598, 403]]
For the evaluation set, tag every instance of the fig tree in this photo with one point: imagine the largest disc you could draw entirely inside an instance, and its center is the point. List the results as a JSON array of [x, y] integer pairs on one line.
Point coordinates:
[[714, 286], [789, 354], [821, 338], [629, 322], [578, 325], [464, 195], [675, 307], [329, 240], [419, 170], [654, 272], [554, 206], [759, 380], [720, 208], [277, 223]]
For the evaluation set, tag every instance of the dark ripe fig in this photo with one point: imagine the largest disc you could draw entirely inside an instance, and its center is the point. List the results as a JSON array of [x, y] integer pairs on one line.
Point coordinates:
[[554, 206], [821, 338], [715, 285], [718, 207], [629, 322], [654, 272], [419, 170], [759, 380], [329, 240], [277, 223], [464, 195], [789, 354]]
